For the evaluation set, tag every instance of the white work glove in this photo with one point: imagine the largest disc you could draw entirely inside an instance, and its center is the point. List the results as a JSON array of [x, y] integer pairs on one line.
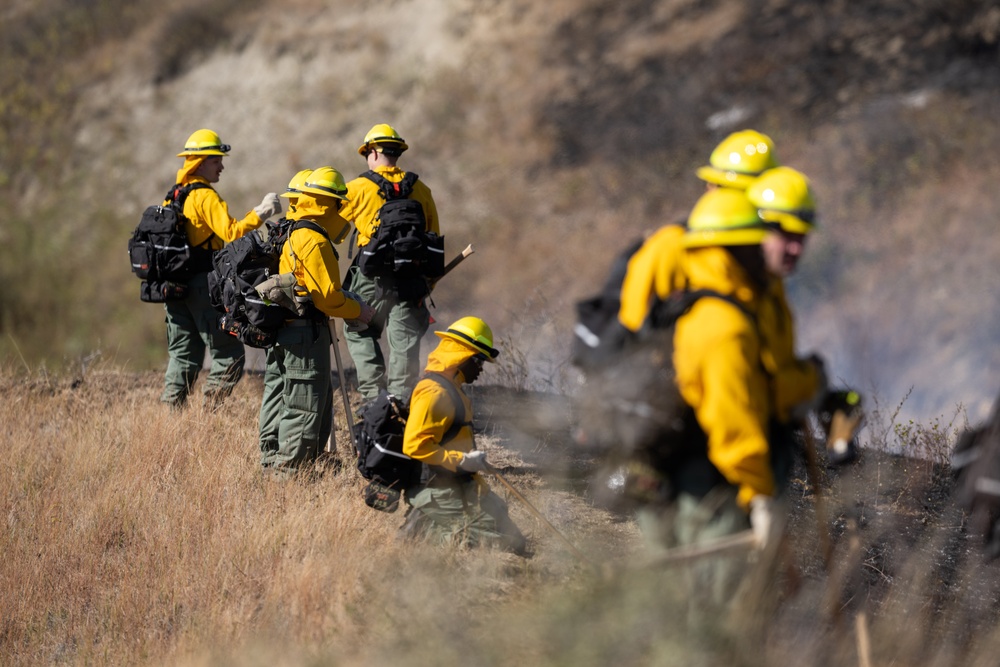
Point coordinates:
[[474, 462], [269, 206], [359, 323], [763, 520]]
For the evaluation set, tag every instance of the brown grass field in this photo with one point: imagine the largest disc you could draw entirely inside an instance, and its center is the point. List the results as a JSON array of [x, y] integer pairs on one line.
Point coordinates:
[[139, 536]]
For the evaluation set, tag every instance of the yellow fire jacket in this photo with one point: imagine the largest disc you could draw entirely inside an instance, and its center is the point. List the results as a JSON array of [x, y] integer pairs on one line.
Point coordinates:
[[432, 411], [310, 256], [655, 270], [719, 373], [793, 381], [207, 213], [365, 201]]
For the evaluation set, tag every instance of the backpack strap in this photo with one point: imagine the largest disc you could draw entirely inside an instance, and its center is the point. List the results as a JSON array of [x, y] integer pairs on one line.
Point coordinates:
[[456, 399], [314, 226], [178, 195], [664, 313], [390, 190]]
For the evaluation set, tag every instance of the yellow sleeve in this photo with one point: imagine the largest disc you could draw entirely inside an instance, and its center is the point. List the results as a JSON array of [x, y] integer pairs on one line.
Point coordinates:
[[654, 271], [363, 202], [719, 376], [208, 214], [793, 381], [311, 258], [431, 413], [422, 194]]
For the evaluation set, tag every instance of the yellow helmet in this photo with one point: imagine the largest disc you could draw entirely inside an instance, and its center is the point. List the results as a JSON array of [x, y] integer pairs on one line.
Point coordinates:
[[204, 142], [380, 137], [295, 185], [473, 333], [784, 196], [738, 159], [724, 217], [325, 182]]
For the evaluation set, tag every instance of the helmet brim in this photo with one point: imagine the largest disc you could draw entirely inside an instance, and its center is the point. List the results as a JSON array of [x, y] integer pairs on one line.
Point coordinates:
[[474, 345], [703, 238], [398, 145], [788, 222], [727, 179]]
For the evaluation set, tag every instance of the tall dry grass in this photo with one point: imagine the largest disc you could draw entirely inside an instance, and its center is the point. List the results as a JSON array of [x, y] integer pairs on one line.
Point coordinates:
[[136, 535]]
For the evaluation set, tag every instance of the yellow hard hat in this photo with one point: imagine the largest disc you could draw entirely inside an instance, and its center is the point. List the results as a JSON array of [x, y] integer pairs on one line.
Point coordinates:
[[738, 159], [473, 333], [204, 142], [295, 185], [325, 182], [380, 137], [783, 196], [724, 217]]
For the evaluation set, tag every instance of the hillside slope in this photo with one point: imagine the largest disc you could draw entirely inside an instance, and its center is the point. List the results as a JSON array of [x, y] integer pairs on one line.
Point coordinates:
[[551, 133]]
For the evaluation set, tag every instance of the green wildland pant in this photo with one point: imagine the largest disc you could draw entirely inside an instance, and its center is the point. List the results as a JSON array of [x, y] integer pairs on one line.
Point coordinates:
[[193, 326], [404, 323], [455, 512], [296, 412], [690, 520]]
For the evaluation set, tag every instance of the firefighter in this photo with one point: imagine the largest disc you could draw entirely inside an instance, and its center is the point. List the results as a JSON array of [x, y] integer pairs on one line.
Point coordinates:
[[727, 483], [453, 502], [192, 323], [295, 414], [785, 201], [400, 309]]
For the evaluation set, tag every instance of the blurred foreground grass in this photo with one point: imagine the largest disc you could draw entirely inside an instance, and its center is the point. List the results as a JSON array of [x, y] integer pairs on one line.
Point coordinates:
[[139, 536]]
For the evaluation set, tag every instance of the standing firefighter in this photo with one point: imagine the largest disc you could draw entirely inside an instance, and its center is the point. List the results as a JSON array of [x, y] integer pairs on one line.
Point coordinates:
[[295, 414], [192, 323], [395, 285], [784, 200], [721, 480], [452, 501]]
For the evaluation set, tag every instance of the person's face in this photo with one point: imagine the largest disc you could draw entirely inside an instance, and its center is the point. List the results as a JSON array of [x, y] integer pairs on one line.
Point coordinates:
[[210, 168], [782, 251], [471, 368]]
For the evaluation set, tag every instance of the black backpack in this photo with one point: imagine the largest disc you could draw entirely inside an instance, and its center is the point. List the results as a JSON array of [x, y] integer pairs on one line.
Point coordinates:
[[378, 441], [630, 410], [597, 334], [401, 246], [239, 268], [159, 250]]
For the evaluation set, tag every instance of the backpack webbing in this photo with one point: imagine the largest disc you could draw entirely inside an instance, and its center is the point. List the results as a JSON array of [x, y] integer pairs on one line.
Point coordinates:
[[459, 421], [176, 198], [390, 190]]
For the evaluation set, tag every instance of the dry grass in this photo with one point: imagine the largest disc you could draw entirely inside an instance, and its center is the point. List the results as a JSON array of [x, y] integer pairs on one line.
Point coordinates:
[[139, 536], [135, 534]]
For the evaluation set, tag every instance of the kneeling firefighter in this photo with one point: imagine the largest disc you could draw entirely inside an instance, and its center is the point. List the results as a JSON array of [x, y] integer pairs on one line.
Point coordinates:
[[452, 501]]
